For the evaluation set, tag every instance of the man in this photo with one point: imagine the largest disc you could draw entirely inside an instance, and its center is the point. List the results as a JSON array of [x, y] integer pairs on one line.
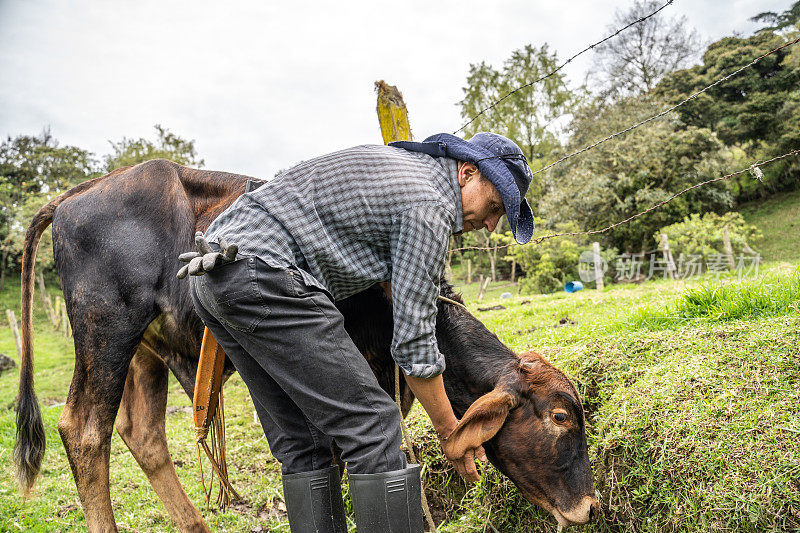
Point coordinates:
[[324, 230]]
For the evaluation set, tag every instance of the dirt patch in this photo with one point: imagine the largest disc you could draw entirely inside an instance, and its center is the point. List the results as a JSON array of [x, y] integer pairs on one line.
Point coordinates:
[[492, 308], [6, 363], [182, 409], [64, 509], [275, 509], [564, 321]]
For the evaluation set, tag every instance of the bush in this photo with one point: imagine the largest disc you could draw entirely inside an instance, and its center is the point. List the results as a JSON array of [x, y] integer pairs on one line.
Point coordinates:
[[702, 235], [548, 265]]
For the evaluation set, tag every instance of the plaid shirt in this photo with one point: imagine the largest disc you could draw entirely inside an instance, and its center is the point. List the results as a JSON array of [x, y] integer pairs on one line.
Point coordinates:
[[350, 219]]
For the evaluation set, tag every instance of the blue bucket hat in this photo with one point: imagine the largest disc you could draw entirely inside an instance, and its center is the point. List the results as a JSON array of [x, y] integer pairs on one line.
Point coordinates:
[[500, 160]]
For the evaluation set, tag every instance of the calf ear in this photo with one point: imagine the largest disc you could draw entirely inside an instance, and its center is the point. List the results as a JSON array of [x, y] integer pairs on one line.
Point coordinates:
[[481, 422]]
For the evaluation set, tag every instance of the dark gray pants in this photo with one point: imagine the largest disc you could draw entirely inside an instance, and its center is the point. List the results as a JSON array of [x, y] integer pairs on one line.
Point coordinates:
[[309, 383]]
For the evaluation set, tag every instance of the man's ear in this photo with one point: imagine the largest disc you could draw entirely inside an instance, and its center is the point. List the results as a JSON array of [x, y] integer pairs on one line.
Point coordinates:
[[466, 172], [481, 422]]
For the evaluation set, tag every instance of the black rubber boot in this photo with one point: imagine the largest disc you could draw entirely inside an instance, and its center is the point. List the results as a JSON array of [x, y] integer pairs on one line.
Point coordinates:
[[389, 502], [314, 501]]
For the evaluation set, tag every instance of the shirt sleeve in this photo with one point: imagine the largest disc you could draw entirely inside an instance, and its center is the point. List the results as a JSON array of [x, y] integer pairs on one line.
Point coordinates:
[[420, 236]]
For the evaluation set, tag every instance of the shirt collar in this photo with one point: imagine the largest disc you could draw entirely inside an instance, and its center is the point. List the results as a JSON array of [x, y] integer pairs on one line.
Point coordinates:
[[453, 188]]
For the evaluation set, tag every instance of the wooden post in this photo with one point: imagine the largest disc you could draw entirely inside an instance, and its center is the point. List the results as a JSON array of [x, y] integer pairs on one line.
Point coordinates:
[[598, 270], [48, 308], [513, 270], [726, 240], [12, 322], [57, 311], [671, 270], [66, 329], [392, 113], [393, 118], [484, 286], [469, 271]]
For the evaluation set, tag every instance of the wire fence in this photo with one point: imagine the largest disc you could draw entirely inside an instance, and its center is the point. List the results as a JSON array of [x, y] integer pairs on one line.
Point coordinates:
[[754, 168], [662, 113], [669, 109], [562, 65]]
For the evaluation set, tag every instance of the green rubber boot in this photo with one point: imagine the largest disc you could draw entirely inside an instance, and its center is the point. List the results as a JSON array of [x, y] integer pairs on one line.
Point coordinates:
[[389, 502], [314, 501]]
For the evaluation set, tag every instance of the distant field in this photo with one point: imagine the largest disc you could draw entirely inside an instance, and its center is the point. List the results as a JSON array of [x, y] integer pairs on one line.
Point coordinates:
[[778, 219]]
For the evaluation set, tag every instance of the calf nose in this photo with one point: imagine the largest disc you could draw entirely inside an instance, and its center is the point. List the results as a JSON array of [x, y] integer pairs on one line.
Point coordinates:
[[594, 510]]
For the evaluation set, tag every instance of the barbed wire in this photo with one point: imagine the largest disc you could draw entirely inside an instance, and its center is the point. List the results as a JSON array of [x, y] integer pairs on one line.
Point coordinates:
[[562, 65], [664, 112], [754, 168]]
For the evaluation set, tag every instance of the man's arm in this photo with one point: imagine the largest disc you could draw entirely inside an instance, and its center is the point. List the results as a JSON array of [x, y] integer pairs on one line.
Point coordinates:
[[418, 254], [430, 393]]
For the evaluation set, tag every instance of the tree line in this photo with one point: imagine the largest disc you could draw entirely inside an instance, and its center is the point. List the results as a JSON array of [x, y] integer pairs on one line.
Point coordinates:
[[644, 70], [35, 169], [651, 66]]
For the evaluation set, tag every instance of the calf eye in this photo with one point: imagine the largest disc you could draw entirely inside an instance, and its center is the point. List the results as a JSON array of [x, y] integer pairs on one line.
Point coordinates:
[[559, 416]]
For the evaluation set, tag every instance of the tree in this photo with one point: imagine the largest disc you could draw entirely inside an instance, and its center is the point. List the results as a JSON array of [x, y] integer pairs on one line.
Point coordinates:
[[629, 174], [167, 145], [779, 21], [758, 110], [529, 116], [634, 61], [31, 167]]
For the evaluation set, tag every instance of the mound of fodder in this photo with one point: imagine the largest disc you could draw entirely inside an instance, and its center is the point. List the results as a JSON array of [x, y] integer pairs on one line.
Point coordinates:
[[492, 504], [697, 428]]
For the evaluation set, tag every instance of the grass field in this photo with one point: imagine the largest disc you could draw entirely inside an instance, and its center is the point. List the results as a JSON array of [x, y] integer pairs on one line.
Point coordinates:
[[692, 392], [778, 219]]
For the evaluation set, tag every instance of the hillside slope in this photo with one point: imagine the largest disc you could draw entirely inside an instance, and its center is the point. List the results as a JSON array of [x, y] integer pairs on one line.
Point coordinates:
[[778, 219]]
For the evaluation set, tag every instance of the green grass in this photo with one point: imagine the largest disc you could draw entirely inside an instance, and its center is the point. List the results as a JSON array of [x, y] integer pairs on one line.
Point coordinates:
[[773, 294], [778, 219], [694, 423]]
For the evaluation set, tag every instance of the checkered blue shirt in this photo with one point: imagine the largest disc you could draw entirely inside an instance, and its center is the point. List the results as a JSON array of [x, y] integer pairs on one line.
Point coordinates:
[[350, 219]]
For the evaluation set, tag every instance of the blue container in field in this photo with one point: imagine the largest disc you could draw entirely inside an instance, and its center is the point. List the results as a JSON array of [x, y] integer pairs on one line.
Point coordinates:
[[573, 286]]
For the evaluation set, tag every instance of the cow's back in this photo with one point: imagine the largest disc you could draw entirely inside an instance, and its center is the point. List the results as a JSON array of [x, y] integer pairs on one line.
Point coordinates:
[[116, 246]]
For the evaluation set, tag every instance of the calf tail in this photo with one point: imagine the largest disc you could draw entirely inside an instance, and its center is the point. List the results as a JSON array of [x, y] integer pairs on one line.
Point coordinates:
[[30, 444]]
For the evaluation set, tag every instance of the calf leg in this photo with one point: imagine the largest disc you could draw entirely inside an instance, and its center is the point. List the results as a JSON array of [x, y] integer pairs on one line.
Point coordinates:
[[86, 424], [140, 423]]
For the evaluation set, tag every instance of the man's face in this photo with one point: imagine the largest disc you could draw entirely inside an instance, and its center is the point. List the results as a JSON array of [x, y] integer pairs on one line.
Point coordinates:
[[481, 203]]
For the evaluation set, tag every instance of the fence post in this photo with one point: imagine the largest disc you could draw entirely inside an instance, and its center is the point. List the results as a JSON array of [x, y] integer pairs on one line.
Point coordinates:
[[513, 270], [66, 329], [393, 118], [12, 322], [726, 240], [469, 271], [598, 271], [48, 307], [671, 270], [484, 286], [57, 312]]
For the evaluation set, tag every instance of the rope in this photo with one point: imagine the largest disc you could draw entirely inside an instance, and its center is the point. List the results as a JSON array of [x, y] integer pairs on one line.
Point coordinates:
[[459, 304], [410, 446], [216, 455], [537, 240], [564, 64]]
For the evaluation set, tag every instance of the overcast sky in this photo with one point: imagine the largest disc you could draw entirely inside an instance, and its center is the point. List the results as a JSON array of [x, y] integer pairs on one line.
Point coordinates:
[[261, 85]]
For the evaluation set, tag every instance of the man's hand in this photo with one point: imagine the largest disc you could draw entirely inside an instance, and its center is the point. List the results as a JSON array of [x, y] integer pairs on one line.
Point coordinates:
[[430, 393], [205, 259], [465, 465]]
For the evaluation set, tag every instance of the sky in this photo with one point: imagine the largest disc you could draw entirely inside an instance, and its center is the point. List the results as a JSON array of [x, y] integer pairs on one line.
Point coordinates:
[[262, 85]]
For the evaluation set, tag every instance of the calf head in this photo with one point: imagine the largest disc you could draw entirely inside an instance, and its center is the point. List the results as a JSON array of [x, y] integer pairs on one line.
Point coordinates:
[[533, 430]]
